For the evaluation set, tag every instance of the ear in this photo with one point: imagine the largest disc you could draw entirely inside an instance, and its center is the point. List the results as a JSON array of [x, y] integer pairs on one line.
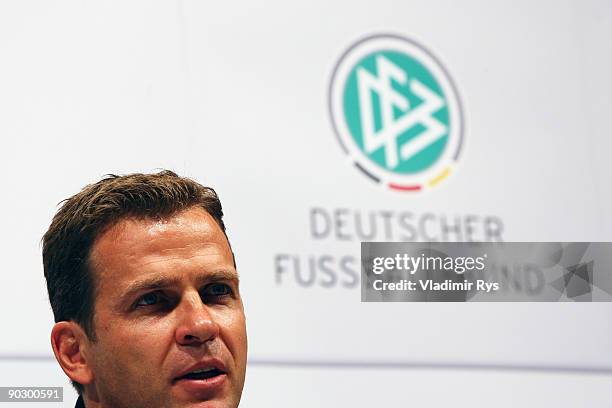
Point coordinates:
[[70, 344]]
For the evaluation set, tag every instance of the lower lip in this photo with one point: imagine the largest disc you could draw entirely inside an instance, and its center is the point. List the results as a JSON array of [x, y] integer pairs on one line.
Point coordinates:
[[204, 386]]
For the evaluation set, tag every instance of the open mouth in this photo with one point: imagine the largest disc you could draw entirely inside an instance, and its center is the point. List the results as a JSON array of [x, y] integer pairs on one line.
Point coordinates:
[[202, 374]]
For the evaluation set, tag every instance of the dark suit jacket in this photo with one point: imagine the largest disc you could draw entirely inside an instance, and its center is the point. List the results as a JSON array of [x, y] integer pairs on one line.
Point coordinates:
[[80, 403]]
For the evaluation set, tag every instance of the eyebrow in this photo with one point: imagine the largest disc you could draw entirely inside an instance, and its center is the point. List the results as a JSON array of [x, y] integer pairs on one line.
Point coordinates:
[[161, 282]]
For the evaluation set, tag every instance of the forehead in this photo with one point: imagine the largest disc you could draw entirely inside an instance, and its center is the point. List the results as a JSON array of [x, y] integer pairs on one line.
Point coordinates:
[[190, 241]]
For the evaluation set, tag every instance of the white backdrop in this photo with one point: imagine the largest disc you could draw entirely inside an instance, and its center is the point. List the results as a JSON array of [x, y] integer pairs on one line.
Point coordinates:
[[235, 96]]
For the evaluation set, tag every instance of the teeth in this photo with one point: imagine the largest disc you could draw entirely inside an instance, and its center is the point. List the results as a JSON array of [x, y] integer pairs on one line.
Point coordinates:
[[203, 370]]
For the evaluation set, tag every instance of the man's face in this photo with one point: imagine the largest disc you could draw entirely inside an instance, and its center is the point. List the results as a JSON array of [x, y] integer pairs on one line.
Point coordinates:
[[169, 322]]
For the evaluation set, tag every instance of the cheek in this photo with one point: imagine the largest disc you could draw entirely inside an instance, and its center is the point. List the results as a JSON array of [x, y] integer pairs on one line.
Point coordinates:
[[128, 362], [232, 326], [136, 344]]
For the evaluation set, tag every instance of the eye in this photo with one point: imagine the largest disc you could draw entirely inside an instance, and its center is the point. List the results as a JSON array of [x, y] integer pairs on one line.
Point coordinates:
[[149, 299], [217, 290]]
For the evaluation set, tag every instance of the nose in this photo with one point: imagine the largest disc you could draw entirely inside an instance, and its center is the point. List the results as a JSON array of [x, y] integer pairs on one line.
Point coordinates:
[[195, 322]]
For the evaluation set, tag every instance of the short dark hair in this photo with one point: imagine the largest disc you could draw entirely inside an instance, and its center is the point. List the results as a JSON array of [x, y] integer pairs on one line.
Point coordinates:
[[86, 215]]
